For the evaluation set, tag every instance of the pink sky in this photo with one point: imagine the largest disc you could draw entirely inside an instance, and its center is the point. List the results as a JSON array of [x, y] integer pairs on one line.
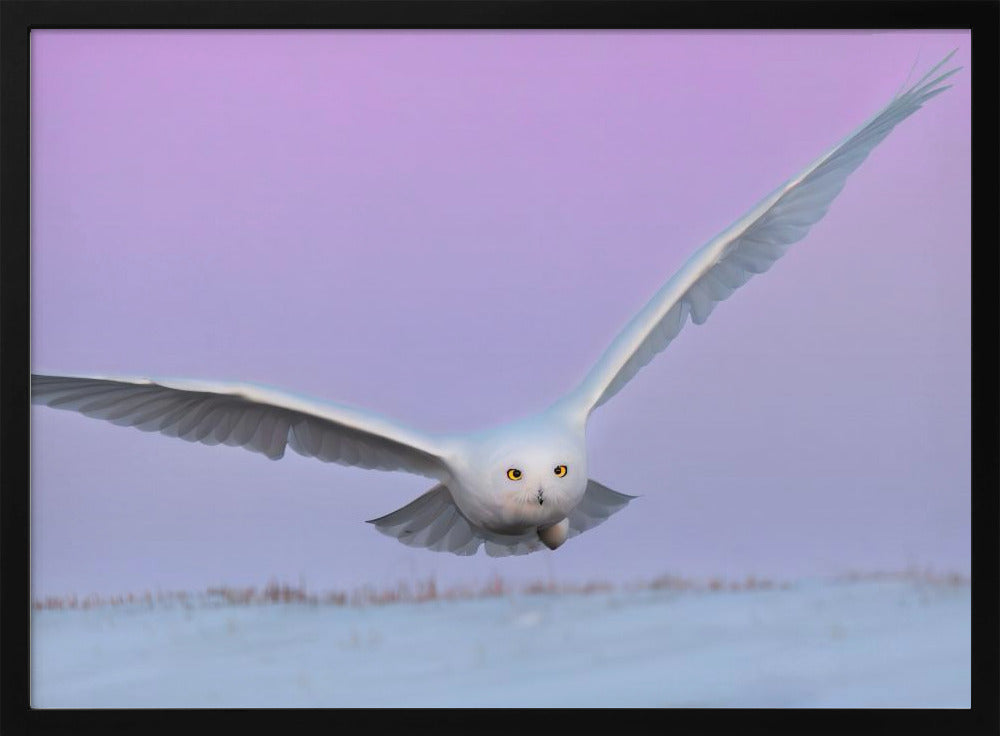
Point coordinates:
[[448, 228]]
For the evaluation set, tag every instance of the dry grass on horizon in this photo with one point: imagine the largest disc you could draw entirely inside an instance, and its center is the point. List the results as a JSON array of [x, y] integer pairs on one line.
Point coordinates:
[[423, 591]]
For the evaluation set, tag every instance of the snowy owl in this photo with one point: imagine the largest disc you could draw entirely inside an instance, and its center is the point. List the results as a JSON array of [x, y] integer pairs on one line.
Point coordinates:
[[516, 487]]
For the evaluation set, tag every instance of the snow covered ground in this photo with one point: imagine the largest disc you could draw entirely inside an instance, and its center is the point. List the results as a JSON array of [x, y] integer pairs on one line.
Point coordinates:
[[893, 643]]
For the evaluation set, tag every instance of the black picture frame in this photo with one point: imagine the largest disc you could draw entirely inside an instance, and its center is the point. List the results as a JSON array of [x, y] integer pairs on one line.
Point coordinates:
[[20, 17]]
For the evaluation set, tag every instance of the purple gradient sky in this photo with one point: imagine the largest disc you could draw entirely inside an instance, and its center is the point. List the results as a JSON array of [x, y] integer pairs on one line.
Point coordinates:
[[449, 228]]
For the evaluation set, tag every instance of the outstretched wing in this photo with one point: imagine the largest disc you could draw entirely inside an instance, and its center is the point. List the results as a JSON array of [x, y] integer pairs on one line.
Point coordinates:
[[243, 415], [748, 247], [434, 521]]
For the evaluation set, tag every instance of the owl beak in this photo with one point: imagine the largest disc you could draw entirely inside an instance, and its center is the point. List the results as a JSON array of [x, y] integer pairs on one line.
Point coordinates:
[[541, 498]]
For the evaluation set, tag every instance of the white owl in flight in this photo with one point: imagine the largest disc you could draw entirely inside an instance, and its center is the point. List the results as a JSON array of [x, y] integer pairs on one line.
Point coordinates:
[[523, 484]]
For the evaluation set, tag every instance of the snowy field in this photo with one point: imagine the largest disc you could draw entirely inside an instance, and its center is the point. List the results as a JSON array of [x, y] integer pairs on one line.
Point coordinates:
[[895, 643]]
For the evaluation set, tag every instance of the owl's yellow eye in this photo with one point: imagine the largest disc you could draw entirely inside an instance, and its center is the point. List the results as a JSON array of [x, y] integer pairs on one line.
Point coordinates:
[[514, 474], [560, 471]]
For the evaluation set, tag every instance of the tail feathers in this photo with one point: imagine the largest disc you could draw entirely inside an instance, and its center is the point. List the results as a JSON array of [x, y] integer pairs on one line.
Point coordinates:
[[597, 506], [434, 522]]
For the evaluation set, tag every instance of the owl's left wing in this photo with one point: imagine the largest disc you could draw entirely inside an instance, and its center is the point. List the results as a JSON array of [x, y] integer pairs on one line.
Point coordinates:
[[748, 247]]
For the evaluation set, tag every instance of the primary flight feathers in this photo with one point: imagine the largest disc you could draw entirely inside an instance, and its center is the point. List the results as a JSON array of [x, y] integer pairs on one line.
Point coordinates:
[[750, 246], [242, 415]]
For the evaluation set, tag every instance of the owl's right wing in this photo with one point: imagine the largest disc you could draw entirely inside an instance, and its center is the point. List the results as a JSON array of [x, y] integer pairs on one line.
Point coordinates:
[[258, 419]]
